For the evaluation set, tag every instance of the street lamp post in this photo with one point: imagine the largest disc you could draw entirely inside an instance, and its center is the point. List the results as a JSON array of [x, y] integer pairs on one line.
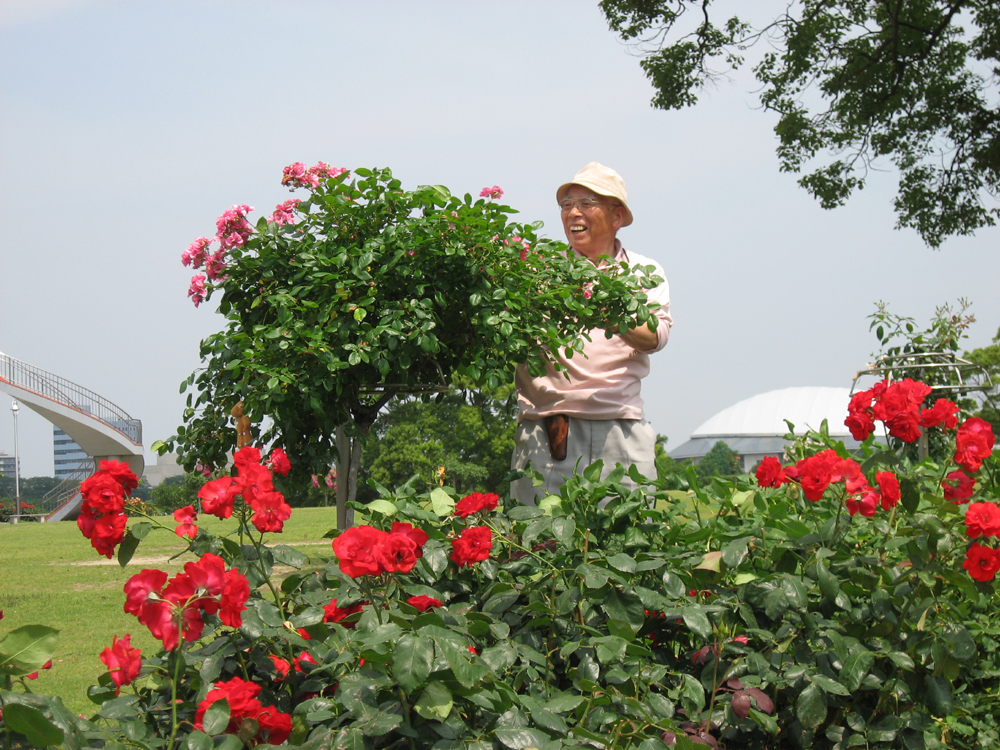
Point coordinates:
[[17, 468]]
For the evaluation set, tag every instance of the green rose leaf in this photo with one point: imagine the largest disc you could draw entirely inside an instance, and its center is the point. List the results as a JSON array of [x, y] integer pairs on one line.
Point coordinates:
[[622, 562], [26, 649], [285, 555], [127, 548], [829, 685], [810, 707], [856, 667], [563, 529], [734, 552], [411, 661], [199, 741], [698, 623], [521, 738], [938, 695], [467, 673], [33, 724], [711, 561], [625, 606], [442, 503], [216, 717], [386, 508], [435, 702]]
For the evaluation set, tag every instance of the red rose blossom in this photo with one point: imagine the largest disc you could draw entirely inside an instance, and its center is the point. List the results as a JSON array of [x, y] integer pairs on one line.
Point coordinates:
[[973, 443], [472, 545], [235, 594], [398, 553], [982, 562], [121, 473], [273, 726], [816, 473], [859, 415], [422, 603], [270, 512], [245, 457], [770, 474], [476, 502], [186, 518], [102, 494], [898, 406], [333, 613], [102, 517], [958, 486], [419, 536], [888, 486], [942, 414], [865, 503], [280, 666], [357, 551], [123, 662], [304, 658], [982, 519], [217, 497], [280, 464], [174, 611], [254, 481]]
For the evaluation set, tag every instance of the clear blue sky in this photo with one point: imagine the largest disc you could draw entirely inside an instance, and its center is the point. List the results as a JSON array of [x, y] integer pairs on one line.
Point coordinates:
[[128, 127]]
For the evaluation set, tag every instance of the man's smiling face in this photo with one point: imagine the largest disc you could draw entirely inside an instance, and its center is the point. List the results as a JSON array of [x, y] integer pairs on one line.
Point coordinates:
[[590, 230]]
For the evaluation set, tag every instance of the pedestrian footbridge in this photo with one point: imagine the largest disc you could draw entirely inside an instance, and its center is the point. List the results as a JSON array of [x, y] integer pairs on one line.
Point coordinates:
[[99, 427]]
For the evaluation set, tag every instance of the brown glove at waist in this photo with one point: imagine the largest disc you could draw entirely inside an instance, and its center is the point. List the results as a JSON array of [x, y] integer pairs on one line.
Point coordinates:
[[557, 427]]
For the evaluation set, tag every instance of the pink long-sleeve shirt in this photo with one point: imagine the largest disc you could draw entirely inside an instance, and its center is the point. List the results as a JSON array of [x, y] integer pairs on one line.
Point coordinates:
[[604, 381]]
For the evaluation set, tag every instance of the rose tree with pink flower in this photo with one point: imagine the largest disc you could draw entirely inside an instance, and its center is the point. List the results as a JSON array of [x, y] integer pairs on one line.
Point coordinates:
[[359, 289]]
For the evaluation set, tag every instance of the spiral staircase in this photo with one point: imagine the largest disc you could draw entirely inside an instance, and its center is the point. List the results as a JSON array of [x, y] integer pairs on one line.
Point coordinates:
[[99, 427]]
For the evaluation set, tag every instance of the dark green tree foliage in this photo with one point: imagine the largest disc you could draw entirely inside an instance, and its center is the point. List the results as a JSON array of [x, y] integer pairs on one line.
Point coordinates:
[[470, 432], [176, 492], [721, 461], [32, 488], [853, 82]]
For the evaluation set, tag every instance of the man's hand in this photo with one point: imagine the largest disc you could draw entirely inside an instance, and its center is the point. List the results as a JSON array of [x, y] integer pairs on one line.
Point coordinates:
[[640, 338]]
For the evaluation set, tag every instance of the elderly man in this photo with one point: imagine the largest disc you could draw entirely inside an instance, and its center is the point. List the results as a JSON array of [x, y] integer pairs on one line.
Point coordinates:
[[596, 412]]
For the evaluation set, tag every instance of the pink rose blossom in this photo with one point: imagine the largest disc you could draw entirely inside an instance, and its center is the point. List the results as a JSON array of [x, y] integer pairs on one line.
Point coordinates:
[[233, 228], [292, 174], [196, 253], [235, 239], [215, 266], [197, 291], [322, 169], [491, 192], [283, 212]]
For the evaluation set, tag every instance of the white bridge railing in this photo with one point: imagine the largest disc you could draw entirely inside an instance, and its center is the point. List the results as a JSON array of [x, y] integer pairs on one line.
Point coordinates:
[[70, 394]]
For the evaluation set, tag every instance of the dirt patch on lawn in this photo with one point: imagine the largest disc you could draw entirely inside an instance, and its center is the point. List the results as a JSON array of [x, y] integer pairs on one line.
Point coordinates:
[[164, 559], [149, 560]]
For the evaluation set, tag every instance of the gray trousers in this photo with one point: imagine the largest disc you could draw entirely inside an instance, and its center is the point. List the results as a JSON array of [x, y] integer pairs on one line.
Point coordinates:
[[615, 441]]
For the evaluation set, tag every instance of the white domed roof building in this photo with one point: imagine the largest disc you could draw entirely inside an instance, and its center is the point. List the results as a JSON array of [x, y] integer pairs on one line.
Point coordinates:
[[755, 427]]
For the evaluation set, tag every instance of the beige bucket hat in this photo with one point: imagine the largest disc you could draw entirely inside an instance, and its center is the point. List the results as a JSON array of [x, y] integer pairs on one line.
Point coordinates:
[[603, 181]]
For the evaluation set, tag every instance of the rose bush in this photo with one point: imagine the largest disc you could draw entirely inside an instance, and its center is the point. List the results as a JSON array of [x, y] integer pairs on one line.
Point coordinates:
[[360, 290], [832, 601]]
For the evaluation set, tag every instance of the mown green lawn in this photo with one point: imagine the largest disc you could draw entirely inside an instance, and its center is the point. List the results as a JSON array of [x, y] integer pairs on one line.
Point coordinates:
[[50, 575]]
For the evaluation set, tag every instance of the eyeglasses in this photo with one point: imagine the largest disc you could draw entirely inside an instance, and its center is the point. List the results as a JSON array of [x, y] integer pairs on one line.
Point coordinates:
[[584, 204]]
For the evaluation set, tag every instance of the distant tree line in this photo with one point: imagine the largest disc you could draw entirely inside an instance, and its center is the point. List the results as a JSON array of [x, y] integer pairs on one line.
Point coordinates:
[[33, 488]]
